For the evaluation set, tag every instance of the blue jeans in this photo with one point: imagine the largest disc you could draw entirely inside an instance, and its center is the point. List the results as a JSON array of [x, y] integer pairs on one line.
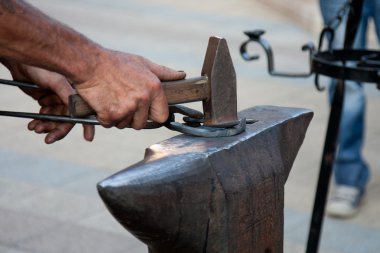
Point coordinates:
[[349, 167]]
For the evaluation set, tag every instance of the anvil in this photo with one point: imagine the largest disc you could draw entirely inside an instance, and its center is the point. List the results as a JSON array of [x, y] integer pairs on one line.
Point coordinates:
[[218, 195]]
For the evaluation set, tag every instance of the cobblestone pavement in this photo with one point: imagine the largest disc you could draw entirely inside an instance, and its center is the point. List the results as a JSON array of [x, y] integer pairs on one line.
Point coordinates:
[[49, 201]]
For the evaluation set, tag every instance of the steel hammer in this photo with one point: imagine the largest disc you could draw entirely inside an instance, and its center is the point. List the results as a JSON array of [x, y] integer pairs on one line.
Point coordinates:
[[216, 88]]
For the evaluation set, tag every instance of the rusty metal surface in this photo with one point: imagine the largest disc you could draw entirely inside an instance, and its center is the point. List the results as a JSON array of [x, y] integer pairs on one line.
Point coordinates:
[[221, 107], [219, 195]]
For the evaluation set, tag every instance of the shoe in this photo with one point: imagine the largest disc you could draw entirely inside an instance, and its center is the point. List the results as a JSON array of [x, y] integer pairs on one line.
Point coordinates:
[[345, 202]]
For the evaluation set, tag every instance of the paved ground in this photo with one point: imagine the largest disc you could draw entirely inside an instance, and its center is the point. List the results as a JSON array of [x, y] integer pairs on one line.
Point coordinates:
[[49, 201]]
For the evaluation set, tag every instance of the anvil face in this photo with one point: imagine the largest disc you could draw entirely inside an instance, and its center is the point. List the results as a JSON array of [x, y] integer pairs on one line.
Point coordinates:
[[218, 195]]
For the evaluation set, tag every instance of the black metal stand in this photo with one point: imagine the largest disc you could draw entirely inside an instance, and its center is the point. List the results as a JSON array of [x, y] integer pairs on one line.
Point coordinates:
[[332, 135], [331, 63], [326, 168]]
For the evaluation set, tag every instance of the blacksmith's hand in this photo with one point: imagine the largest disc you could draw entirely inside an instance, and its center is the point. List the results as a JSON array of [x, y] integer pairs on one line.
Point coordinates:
[[125, 90], [53, 99], [52, 104]]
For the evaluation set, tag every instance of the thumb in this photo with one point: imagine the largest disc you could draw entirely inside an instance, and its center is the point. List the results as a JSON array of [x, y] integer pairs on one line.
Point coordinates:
[[52, 80]]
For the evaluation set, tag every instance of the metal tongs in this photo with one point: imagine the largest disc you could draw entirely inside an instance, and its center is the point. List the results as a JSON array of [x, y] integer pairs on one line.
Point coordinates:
[[90, 120], [193, 119]]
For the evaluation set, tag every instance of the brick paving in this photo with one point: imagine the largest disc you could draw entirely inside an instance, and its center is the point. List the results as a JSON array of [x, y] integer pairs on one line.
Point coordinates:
[[49, 201]]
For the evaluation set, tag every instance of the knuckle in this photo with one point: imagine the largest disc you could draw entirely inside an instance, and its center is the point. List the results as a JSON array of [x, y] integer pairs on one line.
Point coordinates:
[[128, 108], [155, 85], [105, 118], [117, 113], [142, 99]]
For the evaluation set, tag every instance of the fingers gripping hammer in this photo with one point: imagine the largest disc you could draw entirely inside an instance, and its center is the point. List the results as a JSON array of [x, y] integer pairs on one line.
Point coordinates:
[[216, 88]]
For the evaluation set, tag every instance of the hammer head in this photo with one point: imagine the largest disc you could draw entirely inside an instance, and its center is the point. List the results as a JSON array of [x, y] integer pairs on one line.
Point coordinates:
[[220, 108]]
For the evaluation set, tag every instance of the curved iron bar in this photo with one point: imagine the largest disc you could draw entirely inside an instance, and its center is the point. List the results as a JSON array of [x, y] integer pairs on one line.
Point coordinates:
[[256, 36], [208, 132], [329, 34], [364, 65], [193, 124]]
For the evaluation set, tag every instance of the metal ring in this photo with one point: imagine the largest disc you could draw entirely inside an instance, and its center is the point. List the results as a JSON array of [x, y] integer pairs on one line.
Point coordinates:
[[208, 132]]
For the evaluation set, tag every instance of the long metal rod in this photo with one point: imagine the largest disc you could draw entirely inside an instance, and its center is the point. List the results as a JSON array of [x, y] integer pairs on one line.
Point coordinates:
[[66, 119], [53, 117], [353, 22], [50, 117], [19, 84], [47, 117], [57, 118], [325, 172]]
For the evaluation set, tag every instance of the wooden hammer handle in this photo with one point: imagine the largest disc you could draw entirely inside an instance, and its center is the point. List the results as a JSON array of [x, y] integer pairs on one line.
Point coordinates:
[[176, 92]]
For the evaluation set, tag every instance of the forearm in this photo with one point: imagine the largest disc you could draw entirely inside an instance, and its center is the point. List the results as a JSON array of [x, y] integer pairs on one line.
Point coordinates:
[[29, 36]]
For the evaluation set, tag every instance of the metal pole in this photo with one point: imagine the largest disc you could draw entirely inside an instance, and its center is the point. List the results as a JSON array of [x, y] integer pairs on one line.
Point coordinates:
[[326, 168], [332, 135]]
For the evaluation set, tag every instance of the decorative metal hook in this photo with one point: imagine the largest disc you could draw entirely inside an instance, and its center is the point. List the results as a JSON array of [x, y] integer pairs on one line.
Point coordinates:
[[256, 36], [327, 33]]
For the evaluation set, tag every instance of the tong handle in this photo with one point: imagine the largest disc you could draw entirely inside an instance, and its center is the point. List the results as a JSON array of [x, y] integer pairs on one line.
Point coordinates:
[[176, 92]]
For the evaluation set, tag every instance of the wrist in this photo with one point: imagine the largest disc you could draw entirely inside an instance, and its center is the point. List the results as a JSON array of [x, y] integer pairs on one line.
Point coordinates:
[[87, 65]]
